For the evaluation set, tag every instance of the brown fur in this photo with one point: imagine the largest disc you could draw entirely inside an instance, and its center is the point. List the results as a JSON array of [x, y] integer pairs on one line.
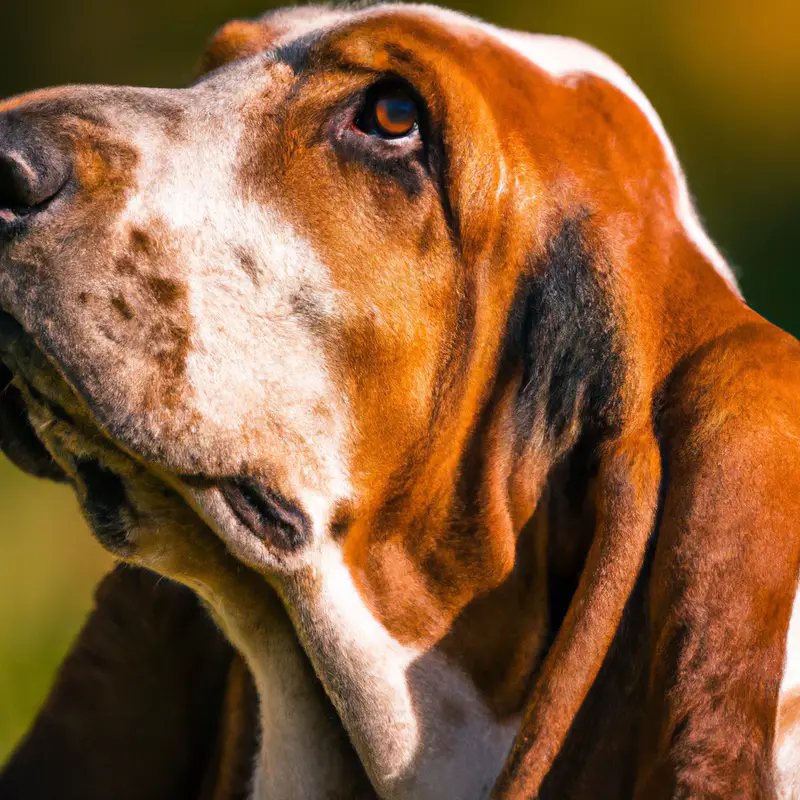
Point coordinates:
[[616, 538], [135, 708]]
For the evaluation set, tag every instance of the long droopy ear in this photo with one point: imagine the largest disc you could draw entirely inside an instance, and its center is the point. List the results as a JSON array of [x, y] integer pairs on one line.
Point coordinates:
[[627, 491], [574, 396], [584, 188]]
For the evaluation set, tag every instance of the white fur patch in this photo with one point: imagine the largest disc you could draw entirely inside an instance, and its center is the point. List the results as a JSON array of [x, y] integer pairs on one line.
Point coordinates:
[[787, 741], [417, 722], [303, 749], [256, 394]]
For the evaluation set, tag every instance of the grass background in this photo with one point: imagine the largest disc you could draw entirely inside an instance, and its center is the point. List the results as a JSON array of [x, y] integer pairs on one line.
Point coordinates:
[[48, 566], [724, 74]]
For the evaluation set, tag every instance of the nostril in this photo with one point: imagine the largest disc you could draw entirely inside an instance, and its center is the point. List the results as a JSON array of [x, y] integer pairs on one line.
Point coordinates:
[[33, 169], [17, 182]]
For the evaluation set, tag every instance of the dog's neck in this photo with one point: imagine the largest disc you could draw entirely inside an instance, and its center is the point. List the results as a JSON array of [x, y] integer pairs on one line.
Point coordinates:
[[417, 721]]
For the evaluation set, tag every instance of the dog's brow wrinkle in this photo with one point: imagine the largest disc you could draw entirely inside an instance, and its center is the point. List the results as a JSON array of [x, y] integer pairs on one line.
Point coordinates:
[[295, 54], [400, 53]]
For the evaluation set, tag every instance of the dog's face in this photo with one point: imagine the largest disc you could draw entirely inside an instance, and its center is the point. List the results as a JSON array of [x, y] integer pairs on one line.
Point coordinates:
[[333, 297], [333, 312], [287, 290]]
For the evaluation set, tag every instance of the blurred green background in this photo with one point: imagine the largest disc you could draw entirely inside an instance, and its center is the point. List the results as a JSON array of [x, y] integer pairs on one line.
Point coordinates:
[[724, 75]]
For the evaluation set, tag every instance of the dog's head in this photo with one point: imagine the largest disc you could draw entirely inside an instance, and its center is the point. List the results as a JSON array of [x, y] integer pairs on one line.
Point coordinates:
[[349, 296]]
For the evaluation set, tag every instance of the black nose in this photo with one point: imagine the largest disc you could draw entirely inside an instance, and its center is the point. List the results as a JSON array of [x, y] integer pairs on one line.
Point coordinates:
[[33, 167]]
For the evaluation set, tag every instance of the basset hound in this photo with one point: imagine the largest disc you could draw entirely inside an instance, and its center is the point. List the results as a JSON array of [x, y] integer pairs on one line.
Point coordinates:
[[396, 338]]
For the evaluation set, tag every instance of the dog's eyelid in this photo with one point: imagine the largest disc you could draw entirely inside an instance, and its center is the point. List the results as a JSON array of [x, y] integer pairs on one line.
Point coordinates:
[[403, 158]]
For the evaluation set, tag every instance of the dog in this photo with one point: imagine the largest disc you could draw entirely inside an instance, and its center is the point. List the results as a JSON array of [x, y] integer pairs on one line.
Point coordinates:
[[396, 338]]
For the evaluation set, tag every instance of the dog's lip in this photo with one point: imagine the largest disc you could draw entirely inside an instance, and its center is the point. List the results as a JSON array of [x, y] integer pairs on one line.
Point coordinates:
[[106, 504], [102, 492], [18, 440], [270, 516], [260, 526]]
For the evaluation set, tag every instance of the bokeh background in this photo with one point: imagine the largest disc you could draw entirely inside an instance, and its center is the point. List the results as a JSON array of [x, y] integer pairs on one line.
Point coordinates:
[[724, 74]]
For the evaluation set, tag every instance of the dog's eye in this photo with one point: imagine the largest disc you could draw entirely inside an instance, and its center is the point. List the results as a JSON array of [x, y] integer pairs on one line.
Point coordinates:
[[389, 112], [395, 115]]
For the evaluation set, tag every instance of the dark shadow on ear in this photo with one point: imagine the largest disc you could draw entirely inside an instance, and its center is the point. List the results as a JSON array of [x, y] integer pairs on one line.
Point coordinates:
[[562, 331], [136, 708]]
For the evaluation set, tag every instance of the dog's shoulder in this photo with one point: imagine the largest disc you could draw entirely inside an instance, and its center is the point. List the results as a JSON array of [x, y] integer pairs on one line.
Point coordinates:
[[736, 384]]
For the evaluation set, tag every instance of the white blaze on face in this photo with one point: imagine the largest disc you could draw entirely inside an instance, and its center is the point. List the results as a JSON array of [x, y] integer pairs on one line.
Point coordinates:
[[256, 393], [255, 366]]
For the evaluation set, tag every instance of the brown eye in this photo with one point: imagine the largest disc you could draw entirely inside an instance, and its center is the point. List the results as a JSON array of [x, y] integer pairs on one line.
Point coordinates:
[[390, 113]]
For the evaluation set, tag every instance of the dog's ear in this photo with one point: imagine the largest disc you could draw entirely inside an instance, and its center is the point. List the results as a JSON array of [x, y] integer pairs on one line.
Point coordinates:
[[559, 230], [235, 40], [244, 38]]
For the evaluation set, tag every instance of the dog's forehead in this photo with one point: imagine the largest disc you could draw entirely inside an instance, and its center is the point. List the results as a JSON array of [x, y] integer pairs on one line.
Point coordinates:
[[292, 33]]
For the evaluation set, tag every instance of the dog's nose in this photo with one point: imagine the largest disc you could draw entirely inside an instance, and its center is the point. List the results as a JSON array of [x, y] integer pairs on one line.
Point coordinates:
[[33, 168]]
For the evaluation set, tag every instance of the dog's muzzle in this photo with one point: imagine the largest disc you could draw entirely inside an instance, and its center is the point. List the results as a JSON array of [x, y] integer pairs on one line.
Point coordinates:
[[33, 171]]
